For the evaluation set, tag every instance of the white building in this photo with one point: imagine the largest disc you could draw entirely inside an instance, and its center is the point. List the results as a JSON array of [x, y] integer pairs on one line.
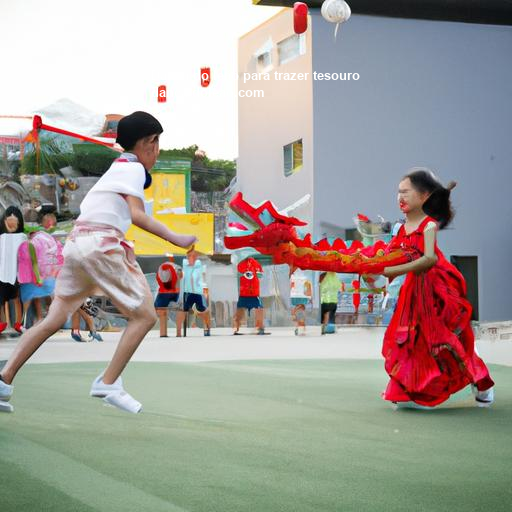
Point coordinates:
[[429, 92]]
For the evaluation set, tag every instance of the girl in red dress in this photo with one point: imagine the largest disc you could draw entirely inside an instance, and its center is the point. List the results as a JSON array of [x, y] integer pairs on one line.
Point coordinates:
[[429, 347]]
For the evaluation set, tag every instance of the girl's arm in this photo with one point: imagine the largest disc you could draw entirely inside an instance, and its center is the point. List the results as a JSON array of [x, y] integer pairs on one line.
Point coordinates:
[[143, 221], [422, 264]]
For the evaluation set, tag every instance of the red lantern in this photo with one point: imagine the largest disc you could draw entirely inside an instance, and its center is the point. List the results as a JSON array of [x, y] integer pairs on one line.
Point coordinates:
[[300, 17], [205, 77], [162, 94]]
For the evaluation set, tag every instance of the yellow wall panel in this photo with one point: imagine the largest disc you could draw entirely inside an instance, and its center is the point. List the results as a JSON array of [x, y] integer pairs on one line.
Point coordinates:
[[167, 191], [198, 224]]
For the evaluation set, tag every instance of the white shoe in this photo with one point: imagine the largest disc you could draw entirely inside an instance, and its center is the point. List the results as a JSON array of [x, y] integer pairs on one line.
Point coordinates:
[[5, 391], [483, 398], [6, 407], [409, 405], [100, 390], [122, 400]]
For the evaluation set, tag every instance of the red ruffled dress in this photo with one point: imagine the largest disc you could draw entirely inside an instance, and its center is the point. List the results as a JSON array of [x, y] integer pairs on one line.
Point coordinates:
[[429, 346]]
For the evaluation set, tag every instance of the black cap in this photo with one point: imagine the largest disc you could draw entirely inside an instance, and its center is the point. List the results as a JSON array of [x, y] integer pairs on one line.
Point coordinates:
[[136, 126]]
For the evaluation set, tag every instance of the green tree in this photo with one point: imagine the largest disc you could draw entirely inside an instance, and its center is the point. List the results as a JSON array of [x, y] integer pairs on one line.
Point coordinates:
[[92, 159], [52, 157], [207, 175]]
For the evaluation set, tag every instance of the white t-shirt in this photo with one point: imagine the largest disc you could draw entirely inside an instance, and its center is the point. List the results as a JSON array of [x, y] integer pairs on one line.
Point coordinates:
[[104, 203], [193, 277], [298, 283], [9, 245]]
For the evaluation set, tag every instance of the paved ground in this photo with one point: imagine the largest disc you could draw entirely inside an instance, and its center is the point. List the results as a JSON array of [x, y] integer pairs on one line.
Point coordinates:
[[348, 343], [249, 436], [248, 423]]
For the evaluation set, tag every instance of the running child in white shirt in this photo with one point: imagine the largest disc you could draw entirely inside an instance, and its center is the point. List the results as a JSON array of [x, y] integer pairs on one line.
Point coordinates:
[[96, 255]]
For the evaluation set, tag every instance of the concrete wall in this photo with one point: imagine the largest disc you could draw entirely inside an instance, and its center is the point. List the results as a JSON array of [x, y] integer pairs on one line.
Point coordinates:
[[282, 116], [436, 94]]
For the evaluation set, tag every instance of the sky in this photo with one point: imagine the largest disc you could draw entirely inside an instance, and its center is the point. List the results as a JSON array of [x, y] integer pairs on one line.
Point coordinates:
[[110, 56]]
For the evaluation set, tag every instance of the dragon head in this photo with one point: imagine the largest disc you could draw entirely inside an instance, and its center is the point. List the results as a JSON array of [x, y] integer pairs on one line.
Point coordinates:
[[262, 227]]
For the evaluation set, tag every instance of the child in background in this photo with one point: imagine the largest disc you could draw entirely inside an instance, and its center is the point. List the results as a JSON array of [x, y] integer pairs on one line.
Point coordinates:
[[168, 277], [89, 322], [249, 274], [330, 285], [300, 295], [195, 292], [39, 260], [11, 223]]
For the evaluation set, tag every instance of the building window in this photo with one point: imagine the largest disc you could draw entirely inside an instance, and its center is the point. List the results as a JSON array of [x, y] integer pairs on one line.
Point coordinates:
[[292, 157], [291, 48], [263, 56], [264, 61]]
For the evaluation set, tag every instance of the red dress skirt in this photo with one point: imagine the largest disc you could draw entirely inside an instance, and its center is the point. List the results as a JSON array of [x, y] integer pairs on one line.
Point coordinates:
[[429, 346]]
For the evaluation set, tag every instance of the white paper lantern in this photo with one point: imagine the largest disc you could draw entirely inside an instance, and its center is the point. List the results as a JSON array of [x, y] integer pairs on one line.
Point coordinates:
[[335, 11]]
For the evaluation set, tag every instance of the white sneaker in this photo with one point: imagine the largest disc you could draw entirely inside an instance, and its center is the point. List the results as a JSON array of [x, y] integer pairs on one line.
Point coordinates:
[[122, 400], [483, 398], [5, 391], [409, 405], [100, 390], [6, 407]]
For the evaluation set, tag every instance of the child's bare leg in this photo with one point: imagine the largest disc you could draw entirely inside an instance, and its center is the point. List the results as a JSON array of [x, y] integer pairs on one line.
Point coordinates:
[[162, 316], [205, 317], [294, 314], [180, 319], [7, 312], [18, 310], [39, 309], [26, 307], [75, 321], [140, 321], [87, 319], [237, 319], [258, 318], [32, 339], [301, 316]]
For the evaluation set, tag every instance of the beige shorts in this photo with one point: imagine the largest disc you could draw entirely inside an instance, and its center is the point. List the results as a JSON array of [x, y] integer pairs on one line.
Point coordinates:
[[98, 258]]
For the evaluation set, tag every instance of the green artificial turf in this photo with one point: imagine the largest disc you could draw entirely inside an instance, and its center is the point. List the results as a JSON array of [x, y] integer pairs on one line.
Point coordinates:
[[249, 436]]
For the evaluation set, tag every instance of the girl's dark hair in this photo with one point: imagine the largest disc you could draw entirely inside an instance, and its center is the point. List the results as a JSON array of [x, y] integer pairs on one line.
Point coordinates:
[[438, 205], [12, 210]]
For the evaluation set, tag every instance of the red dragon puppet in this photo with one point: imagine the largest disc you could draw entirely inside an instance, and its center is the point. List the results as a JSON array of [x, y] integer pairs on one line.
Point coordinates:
[[274, 234]]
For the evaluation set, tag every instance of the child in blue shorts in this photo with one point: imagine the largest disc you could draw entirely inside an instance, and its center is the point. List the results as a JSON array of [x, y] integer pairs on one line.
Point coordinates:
[[168, 277]]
